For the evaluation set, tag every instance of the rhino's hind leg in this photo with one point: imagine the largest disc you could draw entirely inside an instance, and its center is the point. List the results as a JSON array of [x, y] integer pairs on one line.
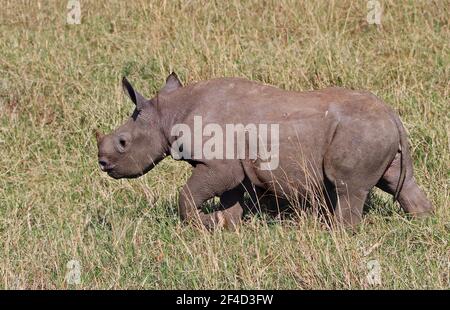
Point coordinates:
[[411, 198], [353, 163], [348, 204], [347, 198]]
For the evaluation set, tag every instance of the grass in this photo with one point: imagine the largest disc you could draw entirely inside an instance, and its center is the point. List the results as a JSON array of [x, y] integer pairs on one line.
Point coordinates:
[[59, 82]]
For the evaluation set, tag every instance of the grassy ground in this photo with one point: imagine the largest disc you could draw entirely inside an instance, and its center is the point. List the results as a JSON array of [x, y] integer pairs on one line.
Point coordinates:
[[58, 82]]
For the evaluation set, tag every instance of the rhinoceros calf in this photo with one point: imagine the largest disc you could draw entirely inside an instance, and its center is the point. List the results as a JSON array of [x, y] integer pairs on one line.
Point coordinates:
[[346, 141]]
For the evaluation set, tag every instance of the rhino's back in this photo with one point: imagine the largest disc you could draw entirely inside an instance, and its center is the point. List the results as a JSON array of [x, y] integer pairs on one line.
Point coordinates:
[[242, 100]]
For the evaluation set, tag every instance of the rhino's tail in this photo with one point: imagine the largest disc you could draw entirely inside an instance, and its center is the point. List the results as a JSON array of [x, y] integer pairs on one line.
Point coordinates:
[[403, 149]]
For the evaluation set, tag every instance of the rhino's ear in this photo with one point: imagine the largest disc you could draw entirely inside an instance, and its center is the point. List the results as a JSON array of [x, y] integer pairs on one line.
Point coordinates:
[[134, 95], [172, 83]]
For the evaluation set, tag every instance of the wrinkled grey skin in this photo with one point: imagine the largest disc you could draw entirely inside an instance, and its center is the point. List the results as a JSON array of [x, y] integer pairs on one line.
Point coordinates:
[[347, 141]]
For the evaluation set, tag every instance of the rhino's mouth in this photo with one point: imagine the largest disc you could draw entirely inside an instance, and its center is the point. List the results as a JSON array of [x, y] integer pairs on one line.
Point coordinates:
[[113, 174], [117, 175]]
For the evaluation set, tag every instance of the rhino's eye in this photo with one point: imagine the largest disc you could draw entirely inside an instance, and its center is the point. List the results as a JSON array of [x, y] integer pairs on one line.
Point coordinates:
[[122, 142]]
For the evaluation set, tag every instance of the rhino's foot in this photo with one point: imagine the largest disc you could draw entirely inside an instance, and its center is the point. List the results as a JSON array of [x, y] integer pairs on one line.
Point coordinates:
[[413, 201], [208, 221]]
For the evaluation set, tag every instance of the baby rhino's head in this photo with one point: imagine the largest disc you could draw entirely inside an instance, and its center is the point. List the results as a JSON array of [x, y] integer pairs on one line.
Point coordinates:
[[138, 145]]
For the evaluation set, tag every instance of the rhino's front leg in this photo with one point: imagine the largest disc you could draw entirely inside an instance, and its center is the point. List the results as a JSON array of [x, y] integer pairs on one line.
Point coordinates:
[[205, 183], [232, 202]]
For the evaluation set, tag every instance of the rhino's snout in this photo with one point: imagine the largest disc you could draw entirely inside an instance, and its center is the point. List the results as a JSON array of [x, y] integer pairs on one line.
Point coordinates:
[[105, 165]]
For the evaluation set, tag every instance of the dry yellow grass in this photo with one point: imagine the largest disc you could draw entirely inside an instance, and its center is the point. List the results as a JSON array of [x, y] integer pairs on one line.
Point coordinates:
[[58, 82]]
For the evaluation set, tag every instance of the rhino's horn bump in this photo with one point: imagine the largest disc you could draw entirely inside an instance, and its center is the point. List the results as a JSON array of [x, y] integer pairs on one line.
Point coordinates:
[[98, 135]]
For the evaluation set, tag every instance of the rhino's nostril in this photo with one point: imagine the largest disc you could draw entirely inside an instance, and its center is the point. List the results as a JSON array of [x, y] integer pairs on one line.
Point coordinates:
[[103, 164]]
